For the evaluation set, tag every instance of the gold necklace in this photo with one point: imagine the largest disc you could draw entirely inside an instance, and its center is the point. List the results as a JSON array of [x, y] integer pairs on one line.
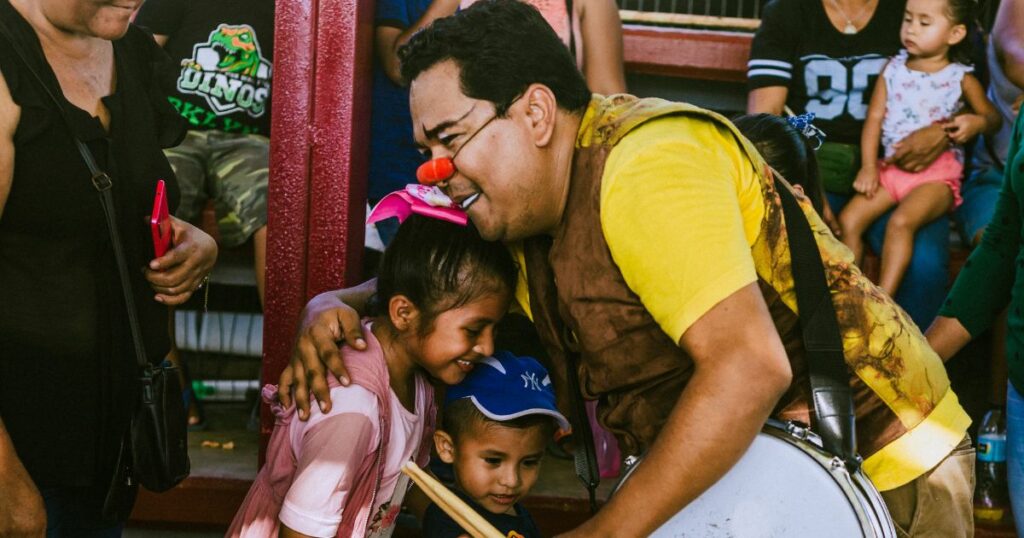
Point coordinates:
[[850, 29]]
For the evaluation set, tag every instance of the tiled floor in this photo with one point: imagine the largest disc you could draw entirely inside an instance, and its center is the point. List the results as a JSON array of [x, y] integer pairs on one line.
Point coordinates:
[[227, 425]]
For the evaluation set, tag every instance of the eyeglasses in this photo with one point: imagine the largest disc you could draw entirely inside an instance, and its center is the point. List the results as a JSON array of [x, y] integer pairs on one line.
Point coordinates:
[[439, 170]]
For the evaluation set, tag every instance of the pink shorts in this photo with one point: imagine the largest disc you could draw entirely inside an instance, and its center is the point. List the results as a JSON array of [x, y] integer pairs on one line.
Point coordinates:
[[946, 169]]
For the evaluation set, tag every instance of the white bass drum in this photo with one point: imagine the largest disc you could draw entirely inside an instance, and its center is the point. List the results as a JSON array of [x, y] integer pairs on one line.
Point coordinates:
[[784, 486]]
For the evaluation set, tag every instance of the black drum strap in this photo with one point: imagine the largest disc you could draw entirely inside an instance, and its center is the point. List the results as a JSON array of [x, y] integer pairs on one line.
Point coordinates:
[[823, 343]]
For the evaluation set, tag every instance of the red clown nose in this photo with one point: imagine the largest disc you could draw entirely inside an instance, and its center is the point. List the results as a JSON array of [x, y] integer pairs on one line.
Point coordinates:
[[435, 171]]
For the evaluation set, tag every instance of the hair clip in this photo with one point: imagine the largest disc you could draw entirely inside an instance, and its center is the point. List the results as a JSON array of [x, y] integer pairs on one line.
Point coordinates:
[[804, 124], [419, 199]]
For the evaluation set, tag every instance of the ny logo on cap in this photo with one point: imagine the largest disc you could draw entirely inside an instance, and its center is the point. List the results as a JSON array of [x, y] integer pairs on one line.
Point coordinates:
[[530, 381]]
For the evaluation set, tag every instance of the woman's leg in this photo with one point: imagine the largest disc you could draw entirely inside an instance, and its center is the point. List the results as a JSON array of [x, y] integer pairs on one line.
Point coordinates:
[[858, 215], [922, 205], [924, 284]]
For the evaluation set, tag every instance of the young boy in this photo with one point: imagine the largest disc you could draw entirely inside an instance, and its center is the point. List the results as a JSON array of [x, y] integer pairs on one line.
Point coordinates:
[[495, 427]]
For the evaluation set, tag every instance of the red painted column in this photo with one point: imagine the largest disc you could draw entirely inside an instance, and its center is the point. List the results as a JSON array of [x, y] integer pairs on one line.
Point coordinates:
[[287, 192], [341, 132], [318, 164]]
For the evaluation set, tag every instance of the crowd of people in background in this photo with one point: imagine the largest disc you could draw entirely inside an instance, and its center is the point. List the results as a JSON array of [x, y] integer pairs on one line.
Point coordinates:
[[894, 122]]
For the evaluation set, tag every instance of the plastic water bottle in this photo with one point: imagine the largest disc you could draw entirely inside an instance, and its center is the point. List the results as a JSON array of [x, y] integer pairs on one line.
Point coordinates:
[[203, 390], [991, 495]]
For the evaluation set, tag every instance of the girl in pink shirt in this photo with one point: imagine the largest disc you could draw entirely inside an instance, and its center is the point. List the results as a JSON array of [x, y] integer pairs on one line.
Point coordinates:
[[441, 289]]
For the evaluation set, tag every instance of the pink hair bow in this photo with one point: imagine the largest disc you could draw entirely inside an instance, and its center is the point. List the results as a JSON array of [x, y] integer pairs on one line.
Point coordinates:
[[419, 199]]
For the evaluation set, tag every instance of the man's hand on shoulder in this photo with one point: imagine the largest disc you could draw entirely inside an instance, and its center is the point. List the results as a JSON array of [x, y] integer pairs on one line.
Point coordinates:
[[326, 321]]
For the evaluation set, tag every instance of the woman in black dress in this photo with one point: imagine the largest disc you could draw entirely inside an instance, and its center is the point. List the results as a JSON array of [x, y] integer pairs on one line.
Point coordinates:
[[67, 367]]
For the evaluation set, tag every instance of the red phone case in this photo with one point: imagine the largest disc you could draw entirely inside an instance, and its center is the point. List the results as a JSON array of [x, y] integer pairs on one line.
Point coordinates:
[[160, 221]]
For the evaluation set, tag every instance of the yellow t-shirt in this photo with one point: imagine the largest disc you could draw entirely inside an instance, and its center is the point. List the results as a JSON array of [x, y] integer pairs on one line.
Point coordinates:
[[684, 215], [699, 208]]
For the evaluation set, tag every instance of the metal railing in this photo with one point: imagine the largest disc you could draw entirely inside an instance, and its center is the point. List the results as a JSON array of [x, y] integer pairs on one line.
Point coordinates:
[[718, 14]]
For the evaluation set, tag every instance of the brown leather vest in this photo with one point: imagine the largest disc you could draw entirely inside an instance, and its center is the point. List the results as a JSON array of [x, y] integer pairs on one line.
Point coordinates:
[[579, 298]]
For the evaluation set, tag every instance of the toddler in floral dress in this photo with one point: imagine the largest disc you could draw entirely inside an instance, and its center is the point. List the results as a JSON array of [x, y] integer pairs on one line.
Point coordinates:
[[925, 83]]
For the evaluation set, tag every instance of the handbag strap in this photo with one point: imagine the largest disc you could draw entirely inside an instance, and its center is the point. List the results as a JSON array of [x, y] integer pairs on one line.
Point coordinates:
[[823, 343], [103, 184]]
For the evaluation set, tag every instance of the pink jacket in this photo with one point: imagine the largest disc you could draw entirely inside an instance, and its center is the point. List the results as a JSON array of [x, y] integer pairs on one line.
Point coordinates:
[[260, 508], [373, 375]]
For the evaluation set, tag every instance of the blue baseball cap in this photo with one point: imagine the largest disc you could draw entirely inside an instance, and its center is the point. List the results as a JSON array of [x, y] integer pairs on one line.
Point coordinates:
[[505, 387]]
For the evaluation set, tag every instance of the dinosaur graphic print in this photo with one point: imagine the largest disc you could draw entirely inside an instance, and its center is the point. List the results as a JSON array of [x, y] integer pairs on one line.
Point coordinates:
[[230, 71]]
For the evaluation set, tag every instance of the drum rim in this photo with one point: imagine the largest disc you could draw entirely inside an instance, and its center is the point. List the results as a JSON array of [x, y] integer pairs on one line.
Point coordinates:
[[855, 485]]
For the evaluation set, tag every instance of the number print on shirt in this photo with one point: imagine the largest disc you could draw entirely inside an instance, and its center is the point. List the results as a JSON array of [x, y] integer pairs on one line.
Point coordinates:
[[835, 86]]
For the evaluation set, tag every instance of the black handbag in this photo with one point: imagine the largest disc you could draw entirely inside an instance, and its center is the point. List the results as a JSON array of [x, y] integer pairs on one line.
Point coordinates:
[[154, 452]]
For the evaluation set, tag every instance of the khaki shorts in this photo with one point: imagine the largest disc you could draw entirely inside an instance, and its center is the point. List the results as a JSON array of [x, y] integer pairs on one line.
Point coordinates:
[[229, 168], [939, 503]]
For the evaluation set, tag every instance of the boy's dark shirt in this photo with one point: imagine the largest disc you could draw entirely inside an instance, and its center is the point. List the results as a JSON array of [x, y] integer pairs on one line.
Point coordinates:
[[437, 524]]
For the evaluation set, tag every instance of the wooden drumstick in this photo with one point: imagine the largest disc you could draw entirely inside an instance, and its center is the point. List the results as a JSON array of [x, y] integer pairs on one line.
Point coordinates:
[[466, 517]]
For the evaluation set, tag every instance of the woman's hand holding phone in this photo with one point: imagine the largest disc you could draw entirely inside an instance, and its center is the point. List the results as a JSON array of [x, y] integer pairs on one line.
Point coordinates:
[[160, 221], [179, 272]]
